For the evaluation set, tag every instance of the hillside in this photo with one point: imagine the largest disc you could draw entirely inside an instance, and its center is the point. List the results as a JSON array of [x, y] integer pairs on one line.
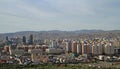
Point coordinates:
[[64, 34]]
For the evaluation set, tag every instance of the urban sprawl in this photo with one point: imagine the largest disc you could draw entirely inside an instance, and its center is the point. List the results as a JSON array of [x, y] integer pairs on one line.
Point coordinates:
[[29, 51]]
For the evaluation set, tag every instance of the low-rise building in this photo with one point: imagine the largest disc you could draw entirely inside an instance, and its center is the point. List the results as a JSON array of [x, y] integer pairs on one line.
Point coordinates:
[[54, 51]]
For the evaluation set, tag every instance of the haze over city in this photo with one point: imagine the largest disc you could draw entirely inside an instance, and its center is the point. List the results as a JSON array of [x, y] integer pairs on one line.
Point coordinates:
[[37, 15], [59, 34]]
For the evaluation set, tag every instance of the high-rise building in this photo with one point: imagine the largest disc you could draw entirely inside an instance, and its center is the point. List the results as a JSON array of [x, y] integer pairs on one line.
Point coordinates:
[[117, 43], [68, 46], [7, 49], [109, 49], [74, 47], [31, 39], [53, 44], [79, 48], [86, 48], [24, 40], [97, 49], [7, 38]]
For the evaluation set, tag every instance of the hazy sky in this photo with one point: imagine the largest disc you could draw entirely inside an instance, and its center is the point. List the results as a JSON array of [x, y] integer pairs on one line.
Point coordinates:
[[37, 15]]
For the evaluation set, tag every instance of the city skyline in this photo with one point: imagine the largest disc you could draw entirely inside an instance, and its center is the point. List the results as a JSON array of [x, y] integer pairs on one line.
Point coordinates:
[[38, 15]]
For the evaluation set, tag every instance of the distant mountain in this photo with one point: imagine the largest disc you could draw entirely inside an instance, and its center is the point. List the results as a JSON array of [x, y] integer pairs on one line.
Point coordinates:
[[62, 34], [88, 31]]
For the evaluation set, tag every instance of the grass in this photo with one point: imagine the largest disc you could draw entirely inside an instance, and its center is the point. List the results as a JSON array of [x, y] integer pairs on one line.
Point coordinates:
[[50, 66]]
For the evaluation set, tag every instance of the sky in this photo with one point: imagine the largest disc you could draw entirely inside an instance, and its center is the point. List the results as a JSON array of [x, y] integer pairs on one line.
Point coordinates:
[[66, 15]]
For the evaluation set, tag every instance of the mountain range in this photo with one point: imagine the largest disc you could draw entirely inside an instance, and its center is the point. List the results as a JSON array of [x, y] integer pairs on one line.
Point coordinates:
[[52, 34]]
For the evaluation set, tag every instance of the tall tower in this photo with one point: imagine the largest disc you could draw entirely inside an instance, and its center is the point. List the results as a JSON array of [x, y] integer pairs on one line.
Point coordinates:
[[24, 40], [7, 38], [31, 39]]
